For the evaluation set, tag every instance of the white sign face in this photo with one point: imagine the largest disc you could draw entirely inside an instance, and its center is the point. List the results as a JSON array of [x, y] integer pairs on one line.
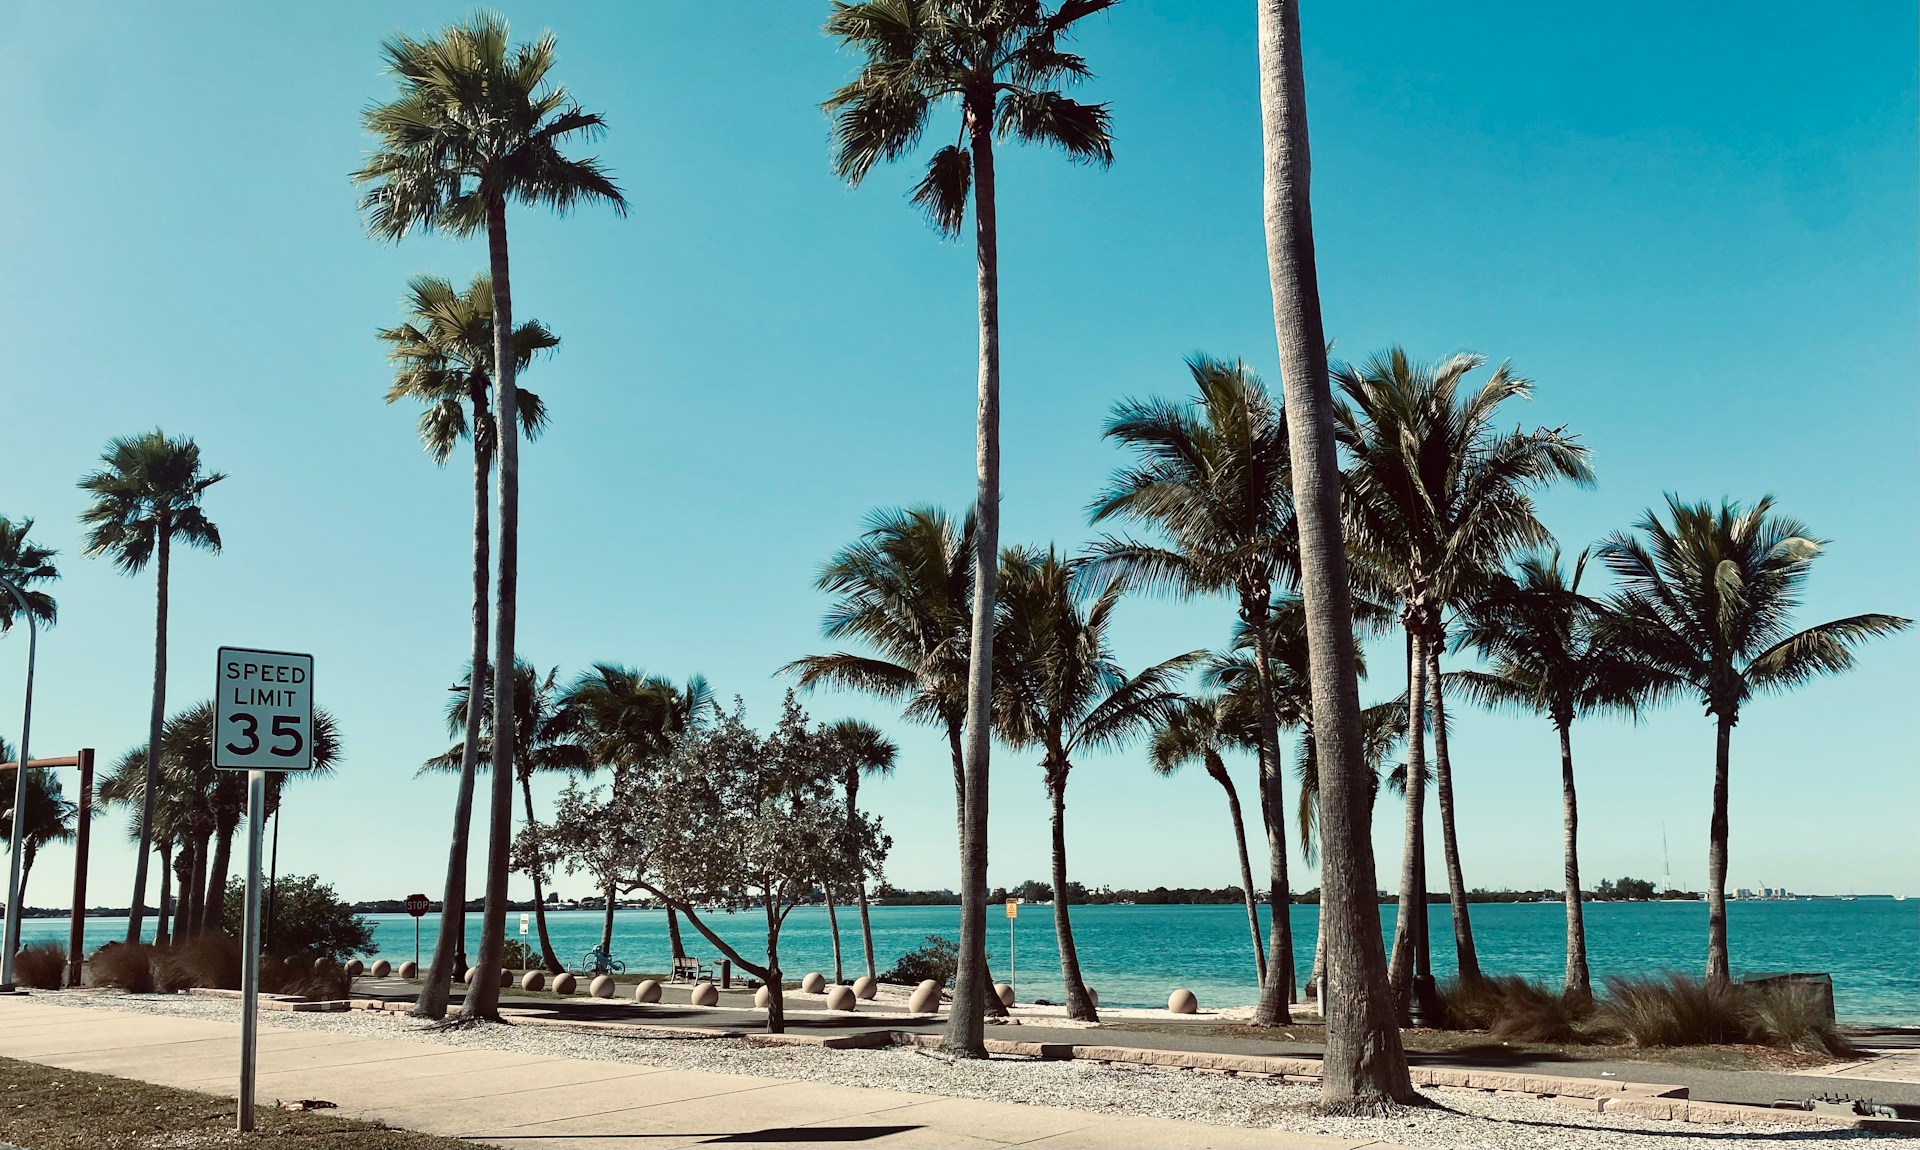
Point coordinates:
[[524, 920], [263, 711]]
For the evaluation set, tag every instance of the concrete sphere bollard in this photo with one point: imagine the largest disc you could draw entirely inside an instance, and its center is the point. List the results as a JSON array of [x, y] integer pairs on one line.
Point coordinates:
[[293, 962], [382, 968], [814, 983], [1004, 993], [563, 983], [409, 969], [506, 979], [841, 998], [1093, 995], [865, 987], [647, 991], [601, 986], [1182, 1001], [473, 972], [925, 998], [355, 968], [322, 965], [533, 980], [761, 998], [705, 994]]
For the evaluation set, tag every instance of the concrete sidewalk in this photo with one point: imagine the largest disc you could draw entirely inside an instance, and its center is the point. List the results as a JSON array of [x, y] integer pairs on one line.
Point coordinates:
[[521, 1100]]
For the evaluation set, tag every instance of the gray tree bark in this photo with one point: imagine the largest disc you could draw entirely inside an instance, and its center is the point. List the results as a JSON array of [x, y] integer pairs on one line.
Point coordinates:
[[1719, 965], [1276, 993], [1466, 955], [1079, 1004], [156, 722], [1218, 771], [1579, 979]]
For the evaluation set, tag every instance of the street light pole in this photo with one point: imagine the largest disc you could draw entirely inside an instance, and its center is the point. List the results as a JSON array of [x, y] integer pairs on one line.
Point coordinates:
[[12, 940]]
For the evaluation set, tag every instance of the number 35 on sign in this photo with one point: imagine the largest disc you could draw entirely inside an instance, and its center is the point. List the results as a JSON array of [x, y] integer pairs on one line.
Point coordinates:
[[263, 714]]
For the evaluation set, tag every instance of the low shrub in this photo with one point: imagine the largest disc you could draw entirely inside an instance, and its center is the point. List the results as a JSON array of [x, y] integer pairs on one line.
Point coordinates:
[[297, 976], [937, 959], [41, 965], [125, 966], [210, 959]]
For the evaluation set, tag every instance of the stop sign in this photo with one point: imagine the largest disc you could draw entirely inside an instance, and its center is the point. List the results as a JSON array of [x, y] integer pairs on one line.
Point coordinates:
[[417, 905]]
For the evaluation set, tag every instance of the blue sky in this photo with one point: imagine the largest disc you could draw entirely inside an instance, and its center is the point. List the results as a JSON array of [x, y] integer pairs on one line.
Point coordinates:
[[1693, 226]]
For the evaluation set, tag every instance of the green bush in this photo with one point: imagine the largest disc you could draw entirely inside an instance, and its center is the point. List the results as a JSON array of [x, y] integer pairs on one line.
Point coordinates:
[[308, 919], [937, 959], [41, 965]]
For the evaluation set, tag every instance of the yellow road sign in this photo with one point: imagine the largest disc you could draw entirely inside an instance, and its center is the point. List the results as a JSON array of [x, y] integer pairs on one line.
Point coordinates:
[[1013, 908]]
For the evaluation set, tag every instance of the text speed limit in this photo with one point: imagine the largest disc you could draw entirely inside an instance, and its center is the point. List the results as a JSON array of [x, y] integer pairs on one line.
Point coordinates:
[[263, 714]]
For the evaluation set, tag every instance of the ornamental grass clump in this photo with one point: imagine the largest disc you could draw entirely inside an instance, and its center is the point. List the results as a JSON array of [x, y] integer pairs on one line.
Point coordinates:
[[124, 966], [42, 966], [1513, 1009], [1794, 1018], [1680, 1011], [209, 959]]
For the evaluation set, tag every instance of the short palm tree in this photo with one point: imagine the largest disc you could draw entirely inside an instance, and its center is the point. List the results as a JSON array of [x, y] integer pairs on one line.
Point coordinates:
[[24, 563], [1438, 498], [545, 746], [477, 125], [861, 751], [1212, 480], [1004, 66], [1061, 691], [443, 359], [145, 499], [1704, 601], [50, 816], [1540, 640]]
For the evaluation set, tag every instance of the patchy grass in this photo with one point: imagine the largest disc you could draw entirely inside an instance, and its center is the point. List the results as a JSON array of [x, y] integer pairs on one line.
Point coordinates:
[[46, 1108]]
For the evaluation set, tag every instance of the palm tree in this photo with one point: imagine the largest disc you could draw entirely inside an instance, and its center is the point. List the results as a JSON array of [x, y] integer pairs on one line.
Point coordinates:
[[49, 817], [1365, 1067], [1196, 731], [1440, 498], [1062, 691], [146, 499], [476, 125], [443, 357], [545, 745], [1212, 481], [861, 750], [23, 564], [1540, 639], [1704, 601], [1004, 66], [625, 719]]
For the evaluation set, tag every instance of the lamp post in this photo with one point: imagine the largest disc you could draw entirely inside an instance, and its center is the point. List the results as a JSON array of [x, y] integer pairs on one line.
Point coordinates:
[[12, 940]]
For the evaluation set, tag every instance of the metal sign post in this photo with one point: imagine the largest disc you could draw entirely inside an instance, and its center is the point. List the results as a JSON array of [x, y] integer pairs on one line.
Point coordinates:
[[263, 721], [417, 906], [1013, 944]]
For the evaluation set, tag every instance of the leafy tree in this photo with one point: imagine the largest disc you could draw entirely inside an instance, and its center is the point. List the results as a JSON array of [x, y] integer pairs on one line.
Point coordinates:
[[1540, 638], [1704, 601], [144, 500], [1004, 66], [1061, 691], [1438, 500], [310, 920], [1211, 480], [477, 124], [1365, 1068], [443, 358], [861, 750]]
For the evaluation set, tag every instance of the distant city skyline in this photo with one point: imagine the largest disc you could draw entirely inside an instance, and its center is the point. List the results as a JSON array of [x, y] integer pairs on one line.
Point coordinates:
[[1705, 263]]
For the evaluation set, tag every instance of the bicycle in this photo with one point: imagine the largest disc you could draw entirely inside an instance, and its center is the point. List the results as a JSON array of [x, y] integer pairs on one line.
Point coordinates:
[[598, 961]]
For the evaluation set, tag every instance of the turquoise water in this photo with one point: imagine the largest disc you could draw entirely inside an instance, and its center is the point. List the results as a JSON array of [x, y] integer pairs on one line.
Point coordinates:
[[1134, 955]]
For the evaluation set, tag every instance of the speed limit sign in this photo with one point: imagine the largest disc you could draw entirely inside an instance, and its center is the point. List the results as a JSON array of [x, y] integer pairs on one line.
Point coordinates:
[[263, 717]]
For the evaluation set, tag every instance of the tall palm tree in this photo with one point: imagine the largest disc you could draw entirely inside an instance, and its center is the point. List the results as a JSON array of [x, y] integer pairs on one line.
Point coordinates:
[[145, 499], [477, 124], [23, 564], [1061, 691], [624, 719], [1365, 1065], [49, 814], [1004, 66], [545, 746], [443, 359], [1196, 731], [1541, 641], [1440, 498], [1212, 481], [862, 751], [1704, 600]]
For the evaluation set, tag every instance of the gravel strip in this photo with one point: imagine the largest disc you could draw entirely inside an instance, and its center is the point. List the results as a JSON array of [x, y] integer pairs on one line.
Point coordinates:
[[1462, 1118]]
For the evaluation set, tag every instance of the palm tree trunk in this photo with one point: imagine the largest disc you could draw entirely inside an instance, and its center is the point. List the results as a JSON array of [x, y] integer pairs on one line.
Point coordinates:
[[162, 927], [1319, 959], [539, 892], [216, 899], [196, 900], [1218, 771], [450, 946], [1410, 961], [1079, 1003], [673, 934], [860, 886], [1278, 989], [966, 1030], [483, 1000], [1579, 980], [1719, 966], [1466, 956], [833, 924], [156, 720], [26, 868], [989, 1000], [1365, 1066], [183, 872]]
